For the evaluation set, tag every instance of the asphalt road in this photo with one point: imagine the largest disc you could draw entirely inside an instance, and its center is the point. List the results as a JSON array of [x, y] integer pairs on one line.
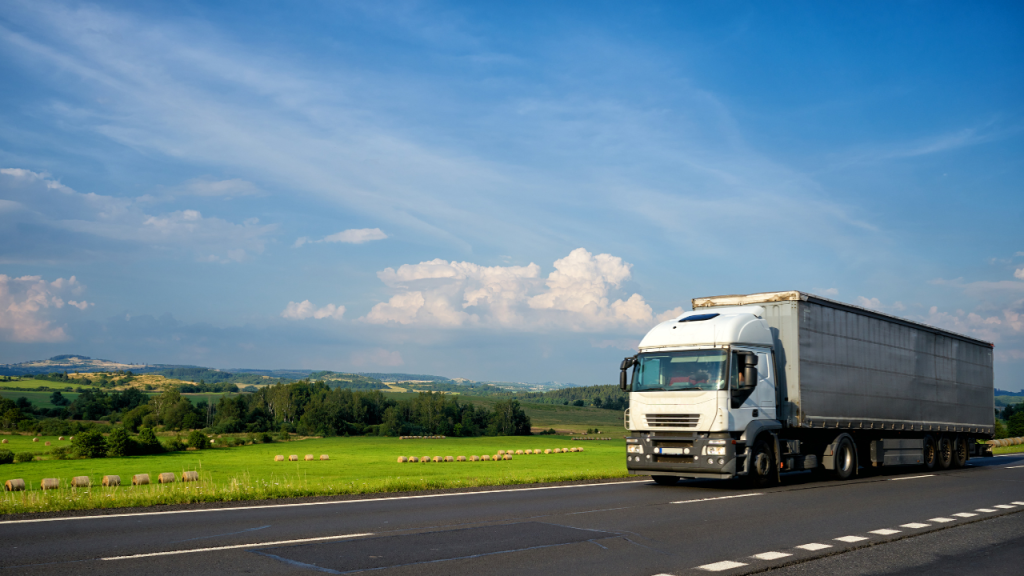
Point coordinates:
[[896, 522]]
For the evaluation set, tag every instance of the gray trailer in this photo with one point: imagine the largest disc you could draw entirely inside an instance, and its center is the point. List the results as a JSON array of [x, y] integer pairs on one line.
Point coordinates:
[[796, 381]]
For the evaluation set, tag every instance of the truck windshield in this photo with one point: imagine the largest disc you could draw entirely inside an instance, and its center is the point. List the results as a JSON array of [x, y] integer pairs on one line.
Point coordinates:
[[687, 370]]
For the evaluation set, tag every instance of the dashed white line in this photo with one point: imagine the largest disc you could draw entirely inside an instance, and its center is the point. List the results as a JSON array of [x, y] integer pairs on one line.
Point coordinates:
[[914, 525], [913, 477], [814, 546], [1011, 467], [253, 545], [965, 514], [850, 538], [1004, 506], [885, 532], [719, 566], [942, 520], [986, 510], [717, 498], [770, 555], [1017, 503]]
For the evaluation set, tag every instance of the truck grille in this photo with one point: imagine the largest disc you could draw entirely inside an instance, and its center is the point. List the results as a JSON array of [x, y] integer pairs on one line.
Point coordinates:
[[672, 420]]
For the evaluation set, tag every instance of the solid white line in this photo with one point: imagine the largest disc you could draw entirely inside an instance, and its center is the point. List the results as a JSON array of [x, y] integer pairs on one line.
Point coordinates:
[[717, 498], [253, 545], [913, 477], [298, 504], [719, 566], [850, 538], [885, 532], [814, 546], [770, 555]]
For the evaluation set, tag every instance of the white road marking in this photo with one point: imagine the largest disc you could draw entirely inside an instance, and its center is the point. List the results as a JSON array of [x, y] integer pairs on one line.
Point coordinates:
[[1017, 503], [770, 555], [719, 566], [253, 545], [717, 498], [885, 532], [941, 520], [1004, 506], [915, 525], [985, 510], [814, 546], [1011, 467], [850, 538], [298, 504], [965, 514], [913, 477]]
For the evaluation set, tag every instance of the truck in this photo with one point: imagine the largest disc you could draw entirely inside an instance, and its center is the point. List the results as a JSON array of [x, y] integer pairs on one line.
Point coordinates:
[[760, 384]]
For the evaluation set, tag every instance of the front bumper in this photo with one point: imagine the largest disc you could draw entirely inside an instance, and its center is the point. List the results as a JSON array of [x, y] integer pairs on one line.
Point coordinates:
[[693, 462]]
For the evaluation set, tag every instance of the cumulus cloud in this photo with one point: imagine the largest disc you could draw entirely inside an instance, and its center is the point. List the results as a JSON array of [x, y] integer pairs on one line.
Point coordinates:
[[57, 206], [353, 236], [306, 309], [27, 304], [577, 295], [1019, 273]]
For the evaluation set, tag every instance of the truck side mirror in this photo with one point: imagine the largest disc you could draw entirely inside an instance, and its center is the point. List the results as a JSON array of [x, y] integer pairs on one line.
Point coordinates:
[[622, 380], [627, 363], [750, 370]]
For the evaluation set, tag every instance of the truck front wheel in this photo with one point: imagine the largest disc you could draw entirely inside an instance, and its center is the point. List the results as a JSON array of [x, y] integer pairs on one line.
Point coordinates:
[[945, 453], [845, 460], [666, 480], [762, 465]]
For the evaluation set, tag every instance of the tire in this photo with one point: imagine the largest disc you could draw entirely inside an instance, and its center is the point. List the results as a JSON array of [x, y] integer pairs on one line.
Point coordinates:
[[666, 480], [762, 465], [945, 453], [931, 453], [960, 454], [845, 459]]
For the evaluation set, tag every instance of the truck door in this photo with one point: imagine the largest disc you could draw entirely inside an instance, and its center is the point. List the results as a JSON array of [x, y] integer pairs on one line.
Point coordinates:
[[765, 384]]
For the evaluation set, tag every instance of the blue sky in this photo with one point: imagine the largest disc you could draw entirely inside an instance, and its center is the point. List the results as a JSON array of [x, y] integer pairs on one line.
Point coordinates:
[[497, 191]]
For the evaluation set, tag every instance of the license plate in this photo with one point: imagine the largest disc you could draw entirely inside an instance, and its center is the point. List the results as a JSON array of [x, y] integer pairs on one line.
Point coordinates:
[[669, 451]]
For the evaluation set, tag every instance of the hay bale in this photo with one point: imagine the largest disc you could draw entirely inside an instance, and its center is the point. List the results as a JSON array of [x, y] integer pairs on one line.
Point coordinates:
[[413, 459], [46, 443], [14, 485], [574, 449], [501, 452], [425, 459], [191, 449], [474, 458], [310, 457], [449, 459], [436, 458], [547, 450], [519, 452], [60, 437], [80, 482], [190, 476], [35, 439], [166, 478], [579, 448], [71, 437], [402, 459], [140, 479], [485, 458], [293, 458], [460, 458], [324, 457], [279, 458], [4, 441], [565, 449], [556, 451], [496, 457], [111, 480], [50, 483], [508, 456]]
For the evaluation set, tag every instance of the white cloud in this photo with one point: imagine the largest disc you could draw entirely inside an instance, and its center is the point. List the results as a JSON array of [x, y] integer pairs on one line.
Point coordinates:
[[575, 296], [306, 309], [828, 291], [354, 236], [876, 304], [27, 305], [1019, 273]]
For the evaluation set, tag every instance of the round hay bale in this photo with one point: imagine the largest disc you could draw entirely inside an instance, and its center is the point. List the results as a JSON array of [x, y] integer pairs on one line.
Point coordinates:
[[4, 442], [547, 450], [413, 459], [508, 456], [310, 457], [80, 482], [436, 458], [14, 485], [213, 440], [501, 452], [46, 443], [474, 458], [579, 448], [71, 437], [565, 449], [324, 457], [50, 483], [190, 476], [293, 458], [496, 457], [111, 480], [35, 439], [60, 438], [574, 449], [556, 451], [485, 458], [140, 479], [166, 478], [425, 459], [450, 459], [279, 458], [519, 452], [402, 459]]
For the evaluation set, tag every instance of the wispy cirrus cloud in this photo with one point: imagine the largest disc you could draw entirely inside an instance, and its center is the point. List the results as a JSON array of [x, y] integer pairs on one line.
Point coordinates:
[[353, 236]]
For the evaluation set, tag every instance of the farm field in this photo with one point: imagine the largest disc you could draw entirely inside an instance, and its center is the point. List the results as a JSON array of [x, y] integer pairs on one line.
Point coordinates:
[[357, 465], [41, 399]]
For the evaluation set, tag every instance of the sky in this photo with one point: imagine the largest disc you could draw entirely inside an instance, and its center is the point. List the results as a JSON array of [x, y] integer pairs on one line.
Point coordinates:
[[497, 191]]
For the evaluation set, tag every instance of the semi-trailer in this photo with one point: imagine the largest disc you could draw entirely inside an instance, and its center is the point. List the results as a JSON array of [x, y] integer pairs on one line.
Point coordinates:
[[760, 384]]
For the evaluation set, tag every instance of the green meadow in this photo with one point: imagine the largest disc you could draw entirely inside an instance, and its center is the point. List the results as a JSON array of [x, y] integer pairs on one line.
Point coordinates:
[[357, 465]]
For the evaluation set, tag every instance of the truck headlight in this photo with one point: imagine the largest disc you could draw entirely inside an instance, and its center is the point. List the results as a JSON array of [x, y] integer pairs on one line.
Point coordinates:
[[716, 450], [635, 449]]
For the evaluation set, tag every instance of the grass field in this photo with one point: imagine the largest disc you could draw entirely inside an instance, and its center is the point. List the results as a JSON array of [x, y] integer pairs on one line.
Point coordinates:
[[1008, 449], [357, 465]]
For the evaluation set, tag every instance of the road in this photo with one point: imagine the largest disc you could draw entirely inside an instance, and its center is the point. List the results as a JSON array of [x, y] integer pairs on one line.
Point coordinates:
[[892, 522]]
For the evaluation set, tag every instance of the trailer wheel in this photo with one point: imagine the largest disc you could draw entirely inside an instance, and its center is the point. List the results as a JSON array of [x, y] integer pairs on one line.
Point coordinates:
[[945, 453], [666, 480], [762, 464], [845, 460], [931, 455], [959, 452]]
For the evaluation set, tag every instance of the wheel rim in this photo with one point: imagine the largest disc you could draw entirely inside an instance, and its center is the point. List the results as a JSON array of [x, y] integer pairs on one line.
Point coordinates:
[[847, 458]]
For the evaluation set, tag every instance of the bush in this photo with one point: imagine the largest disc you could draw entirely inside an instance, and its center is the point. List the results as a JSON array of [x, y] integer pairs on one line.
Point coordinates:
[[61, 453], [198, 440], [147, 442], [89, 444], [175, 445], [1015, 426], [6, 456], [23, 457], [119, 443]]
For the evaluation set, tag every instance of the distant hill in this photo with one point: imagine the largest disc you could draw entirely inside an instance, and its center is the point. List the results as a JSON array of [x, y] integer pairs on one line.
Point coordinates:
[[1006, 393]]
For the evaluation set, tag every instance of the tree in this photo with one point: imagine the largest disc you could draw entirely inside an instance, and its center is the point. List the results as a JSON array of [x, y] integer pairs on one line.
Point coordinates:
[[89, 444], [509, 419], [148, 443], [118, 443], [198, 440], [58, 399], [1015, 427]]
